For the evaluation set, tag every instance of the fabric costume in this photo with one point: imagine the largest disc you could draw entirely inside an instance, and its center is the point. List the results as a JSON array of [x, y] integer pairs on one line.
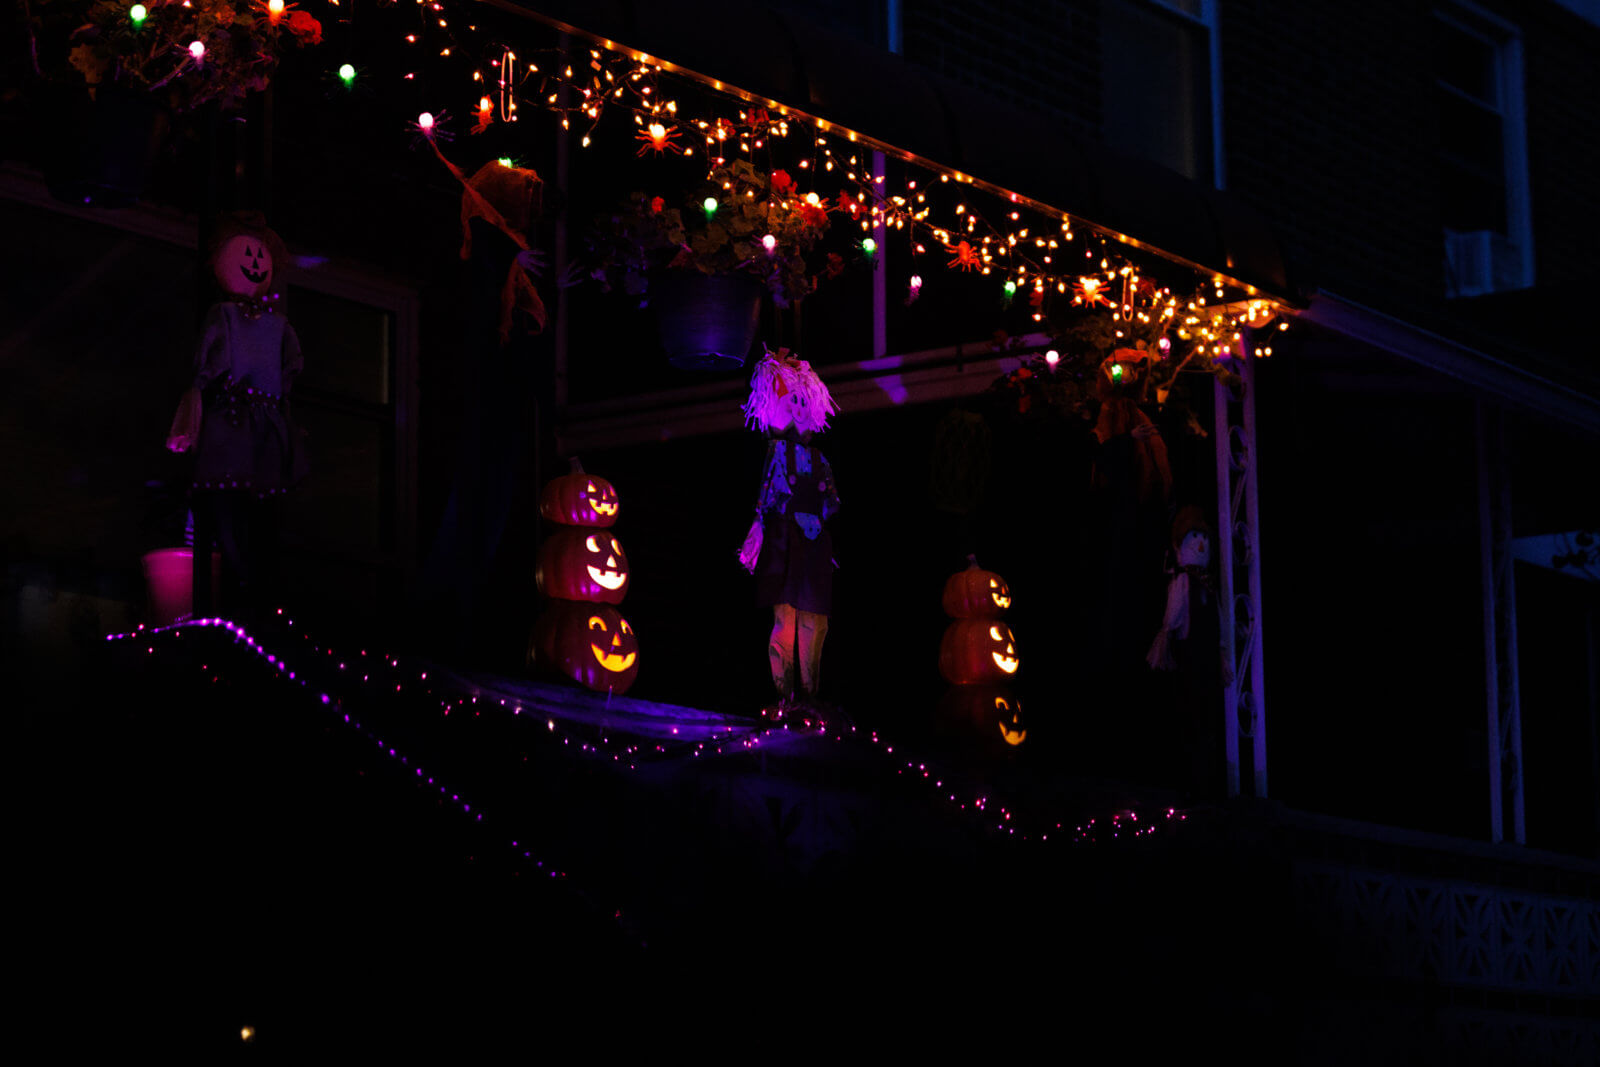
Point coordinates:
[[1188, 644], [247, 448], [794, 574]]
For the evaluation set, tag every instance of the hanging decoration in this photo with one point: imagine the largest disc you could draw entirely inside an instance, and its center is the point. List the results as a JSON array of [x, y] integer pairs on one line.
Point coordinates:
[[189, 52], [1062, 264]]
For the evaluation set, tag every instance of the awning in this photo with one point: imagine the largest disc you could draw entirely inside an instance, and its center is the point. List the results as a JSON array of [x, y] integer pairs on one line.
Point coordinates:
[[912, 113]]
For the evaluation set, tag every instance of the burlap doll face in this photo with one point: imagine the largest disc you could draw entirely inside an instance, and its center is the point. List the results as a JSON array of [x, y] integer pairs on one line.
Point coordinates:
[[243, 266], [1195, 549]]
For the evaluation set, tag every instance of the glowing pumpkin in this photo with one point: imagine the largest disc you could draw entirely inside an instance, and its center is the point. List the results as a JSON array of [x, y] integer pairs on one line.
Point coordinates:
[[590, 643], [978, 651], [576, 563], [976, 593], [987, 714], [579, 499]]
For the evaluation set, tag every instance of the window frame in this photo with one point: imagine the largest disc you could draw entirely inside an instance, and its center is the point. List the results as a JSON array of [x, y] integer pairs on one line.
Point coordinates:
[[1505, 41]]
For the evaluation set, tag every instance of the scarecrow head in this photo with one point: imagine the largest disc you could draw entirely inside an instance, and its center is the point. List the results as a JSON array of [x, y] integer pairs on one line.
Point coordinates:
[[785, 392], [1191, 538], [246, 257]]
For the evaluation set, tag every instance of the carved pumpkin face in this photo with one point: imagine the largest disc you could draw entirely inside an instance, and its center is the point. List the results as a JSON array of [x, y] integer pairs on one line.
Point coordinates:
[[583, 564], [1008, 717], [1006, 660], [613, 647], [978, 651], [580, 499], [590, 643], [610, 574], [243, 266], [988, 715], [976, 594], [602, 499]]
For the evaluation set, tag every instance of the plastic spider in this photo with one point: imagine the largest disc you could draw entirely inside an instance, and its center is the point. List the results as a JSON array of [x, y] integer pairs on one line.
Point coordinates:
[[966, 257], [1091, 291], [660, 138]]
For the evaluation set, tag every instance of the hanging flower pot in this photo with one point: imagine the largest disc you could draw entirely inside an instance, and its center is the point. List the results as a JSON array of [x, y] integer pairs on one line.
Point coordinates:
[[104, 148], [707, 321]]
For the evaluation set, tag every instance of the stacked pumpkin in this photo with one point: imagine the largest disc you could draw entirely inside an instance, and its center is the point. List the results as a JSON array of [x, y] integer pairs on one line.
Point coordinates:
[[978, 655], [584, 572]]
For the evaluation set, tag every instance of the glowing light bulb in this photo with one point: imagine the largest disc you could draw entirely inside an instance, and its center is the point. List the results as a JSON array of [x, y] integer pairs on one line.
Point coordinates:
[[137, 14], [246, 1033], [425, 122], [1011, 288], [347, 73], [813, 199], [916, 281], [710, 205], [1116, 372], [197, 49], [868, 245], [274, 9], [770, 243], [1052, 357], [505, 161]]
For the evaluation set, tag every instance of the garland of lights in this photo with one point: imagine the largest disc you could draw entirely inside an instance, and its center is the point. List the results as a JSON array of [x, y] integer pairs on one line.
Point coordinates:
[[385, 674], [1033, 250]]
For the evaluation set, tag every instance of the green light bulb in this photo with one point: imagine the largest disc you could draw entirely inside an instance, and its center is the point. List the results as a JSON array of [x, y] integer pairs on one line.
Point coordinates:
[[505, 161], [137, 13], [347, 73], [1011, 288], [869, 246], [710, 205], [1116, 372]]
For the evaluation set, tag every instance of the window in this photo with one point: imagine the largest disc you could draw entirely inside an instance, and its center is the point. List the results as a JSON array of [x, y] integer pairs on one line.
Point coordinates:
[[1483, 160], [1162, 95]]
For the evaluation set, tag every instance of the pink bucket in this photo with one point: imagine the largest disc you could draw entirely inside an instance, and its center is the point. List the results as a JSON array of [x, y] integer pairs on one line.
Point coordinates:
[[169, 574]]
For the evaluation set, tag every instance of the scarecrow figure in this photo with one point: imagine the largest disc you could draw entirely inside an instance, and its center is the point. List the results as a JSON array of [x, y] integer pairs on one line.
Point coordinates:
[[235, 416], [789, 548], [1190, 643]]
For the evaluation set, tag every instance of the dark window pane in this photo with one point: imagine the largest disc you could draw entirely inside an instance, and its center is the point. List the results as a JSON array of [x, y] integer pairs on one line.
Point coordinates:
[[1466, 62], [1470, 201], [346, 345], [1157, 98], [1471, 136], [343, 504]]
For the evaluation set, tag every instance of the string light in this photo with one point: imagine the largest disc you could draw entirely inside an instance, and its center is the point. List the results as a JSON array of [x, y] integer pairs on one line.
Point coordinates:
[[347, 74], [137, 14]]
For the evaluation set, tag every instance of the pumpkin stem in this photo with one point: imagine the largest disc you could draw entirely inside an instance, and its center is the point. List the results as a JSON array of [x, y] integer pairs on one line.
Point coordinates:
[[972, 561], [575, 465]]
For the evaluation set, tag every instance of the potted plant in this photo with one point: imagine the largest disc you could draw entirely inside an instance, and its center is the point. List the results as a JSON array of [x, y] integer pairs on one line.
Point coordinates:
[[704, 263], [119, 69]]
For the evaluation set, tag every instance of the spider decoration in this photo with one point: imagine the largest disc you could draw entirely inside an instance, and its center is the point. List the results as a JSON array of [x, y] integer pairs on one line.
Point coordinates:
[[659, 138], [1090, 291], [485, 115], [966, 257]]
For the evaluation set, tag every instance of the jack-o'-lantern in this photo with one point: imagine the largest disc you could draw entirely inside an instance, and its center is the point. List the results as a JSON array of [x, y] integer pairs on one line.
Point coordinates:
[[243, 265], [976, 593], [579, 499], [590, 643], [576, 563], [989, 715], [977, 651]]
